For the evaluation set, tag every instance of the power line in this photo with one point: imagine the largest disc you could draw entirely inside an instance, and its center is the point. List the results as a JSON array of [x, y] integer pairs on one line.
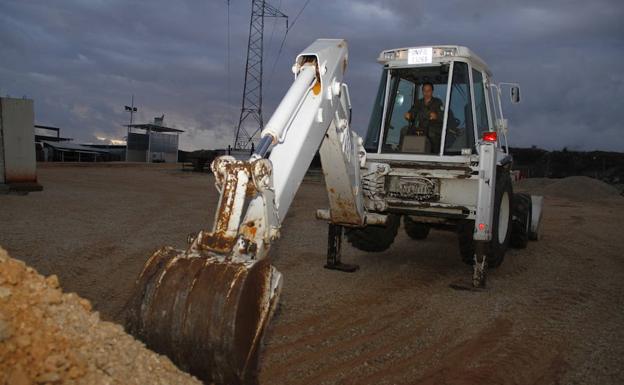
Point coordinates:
[[279, 52], [299, 14], [229, 91], [279, 6]]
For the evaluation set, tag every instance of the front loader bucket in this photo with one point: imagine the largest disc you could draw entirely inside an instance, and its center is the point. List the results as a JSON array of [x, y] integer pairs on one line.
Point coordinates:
[[208, 316]]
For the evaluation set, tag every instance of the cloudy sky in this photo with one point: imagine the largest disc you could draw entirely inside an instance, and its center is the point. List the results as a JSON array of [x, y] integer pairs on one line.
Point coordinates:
[[81, 60]]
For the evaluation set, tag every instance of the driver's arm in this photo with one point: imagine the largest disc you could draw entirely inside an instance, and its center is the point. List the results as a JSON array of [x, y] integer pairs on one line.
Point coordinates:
[[411, 115], [436, 110]]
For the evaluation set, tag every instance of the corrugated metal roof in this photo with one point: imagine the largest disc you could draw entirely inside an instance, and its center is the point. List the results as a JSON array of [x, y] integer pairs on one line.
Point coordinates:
[[153, 127], [68, 146]]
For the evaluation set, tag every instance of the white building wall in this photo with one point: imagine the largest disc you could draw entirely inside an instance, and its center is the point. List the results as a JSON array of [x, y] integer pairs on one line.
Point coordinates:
[[18, 140]]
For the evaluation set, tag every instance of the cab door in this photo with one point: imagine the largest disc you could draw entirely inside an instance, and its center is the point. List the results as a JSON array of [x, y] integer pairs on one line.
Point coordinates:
[[460, 134]]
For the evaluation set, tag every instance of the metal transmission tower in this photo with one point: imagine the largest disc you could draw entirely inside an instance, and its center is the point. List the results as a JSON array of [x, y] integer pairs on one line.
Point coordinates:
[[252, 92]]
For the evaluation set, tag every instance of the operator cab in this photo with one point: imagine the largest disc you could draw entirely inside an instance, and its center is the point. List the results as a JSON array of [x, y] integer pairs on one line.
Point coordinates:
[[430, 101]]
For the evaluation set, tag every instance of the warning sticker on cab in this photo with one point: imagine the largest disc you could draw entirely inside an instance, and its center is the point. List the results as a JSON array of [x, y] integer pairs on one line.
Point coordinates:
[[420, 55]]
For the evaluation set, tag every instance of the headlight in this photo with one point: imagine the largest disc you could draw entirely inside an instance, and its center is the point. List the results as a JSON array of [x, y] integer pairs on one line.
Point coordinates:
[[444, 52], [390, 55]]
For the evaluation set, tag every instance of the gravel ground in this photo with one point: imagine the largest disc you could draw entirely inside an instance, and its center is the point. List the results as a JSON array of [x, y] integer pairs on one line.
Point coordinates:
[[552, 313], [47, 337]]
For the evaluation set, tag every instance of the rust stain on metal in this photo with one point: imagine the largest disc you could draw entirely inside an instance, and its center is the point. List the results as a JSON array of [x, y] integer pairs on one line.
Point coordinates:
[[344, 211], [207, 316], [249, 230], [234, 168], [218, 242], [316, 89], [205, 312], [419, 204], [13, 177]]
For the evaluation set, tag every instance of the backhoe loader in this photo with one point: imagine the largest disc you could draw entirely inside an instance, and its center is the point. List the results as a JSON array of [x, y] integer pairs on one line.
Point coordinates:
[[207, 307]]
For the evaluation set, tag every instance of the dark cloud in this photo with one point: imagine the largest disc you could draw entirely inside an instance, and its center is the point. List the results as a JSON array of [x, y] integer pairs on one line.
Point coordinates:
[[81, 61]]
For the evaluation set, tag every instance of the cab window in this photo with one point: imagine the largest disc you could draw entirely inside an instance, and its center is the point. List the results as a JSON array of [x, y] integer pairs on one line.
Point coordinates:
[[459, 128], [374, 126], [480, 106], [414, 121]]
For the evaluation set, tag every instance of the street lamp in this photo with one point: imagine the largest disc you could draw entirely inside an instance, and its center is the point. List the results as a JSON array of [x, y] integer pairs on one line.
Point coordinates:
[[131, 108]]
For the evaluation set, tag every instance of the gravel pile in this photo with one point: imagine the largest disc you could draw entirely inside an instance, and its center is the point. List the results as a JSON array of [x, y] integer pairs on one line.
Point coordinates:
[[580, 188], [47, 337]]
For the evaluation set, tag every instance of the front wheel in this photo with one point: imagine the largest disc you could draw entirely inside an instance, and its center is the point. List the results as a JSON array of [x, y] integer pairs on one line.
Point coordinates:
[[501, 226], [414, 229], [374, 238]]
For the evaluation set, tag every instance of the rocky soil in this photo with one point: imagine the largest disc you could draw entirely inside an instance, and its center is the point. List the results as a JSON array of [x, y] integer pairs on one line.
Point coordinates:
[[47, 337]]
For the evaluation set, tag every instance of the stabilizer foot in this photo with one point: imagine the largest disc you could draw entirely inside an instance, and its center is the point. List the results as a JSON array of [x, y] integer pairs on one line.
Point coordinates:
[[344, 267], [479, 275]]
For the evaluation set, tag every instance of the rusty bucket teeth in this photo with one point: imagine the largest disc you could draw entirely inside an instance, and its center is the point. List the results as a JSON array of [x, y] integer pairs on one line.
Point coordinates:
[[206, 315]]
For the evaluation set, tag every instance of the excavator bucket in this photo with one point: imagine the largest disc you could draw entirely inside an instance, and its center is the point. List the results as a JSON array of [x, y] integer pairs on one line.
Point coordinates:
[[207, 315]]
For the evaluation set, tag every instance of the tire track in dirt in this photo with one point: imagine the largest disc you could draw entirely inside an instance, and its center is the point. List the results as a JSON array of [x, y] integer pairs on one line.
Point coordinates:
[[336, 342], [493, 356], [349, 342], [473, 348], [333, 361]]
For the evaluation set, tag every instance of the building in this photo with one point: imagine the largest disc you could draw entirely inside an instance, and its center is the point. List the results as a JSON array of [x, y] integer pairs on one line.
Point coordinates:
[[42, 133], [18, 165], [54, 148], [152, 142], [66, 151]]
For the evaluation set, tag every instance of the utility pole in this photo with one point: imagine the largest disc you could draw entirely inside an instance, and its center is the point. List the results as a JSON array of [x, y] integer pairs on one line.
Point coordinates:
[[251, 108]]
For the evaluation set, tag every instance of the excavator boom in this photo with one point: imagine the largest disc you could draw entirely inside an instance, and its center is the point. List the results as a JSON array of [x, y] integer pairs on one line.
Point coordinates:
[[207, 307]]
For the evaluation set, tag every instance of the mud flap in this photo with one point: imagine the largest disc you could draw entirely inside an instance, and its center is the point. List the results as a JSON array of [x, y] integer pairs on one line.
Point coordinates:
[[208, 316]]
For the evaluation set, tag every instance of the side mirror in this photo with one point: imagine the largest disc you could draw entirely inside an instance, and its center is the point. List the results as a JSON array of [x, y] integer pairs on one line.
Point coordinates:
[[515, 94]]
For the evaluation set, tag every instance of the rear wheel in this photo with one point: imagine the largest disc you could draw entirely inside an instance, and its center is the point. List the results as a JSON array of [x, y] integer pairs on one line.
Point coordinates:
[[501, 226], [415, 230], [374, 238]]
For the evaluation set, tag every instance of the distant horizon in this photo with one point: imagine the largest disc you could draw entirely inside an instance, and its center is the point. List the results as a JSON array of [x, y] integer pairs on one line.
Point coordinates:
[[123, 143]]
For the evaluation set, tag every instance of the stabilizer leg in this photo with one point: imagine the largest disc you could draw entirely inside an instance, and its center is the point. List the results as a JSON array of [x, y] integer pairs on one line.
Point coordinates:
[[334, 250]]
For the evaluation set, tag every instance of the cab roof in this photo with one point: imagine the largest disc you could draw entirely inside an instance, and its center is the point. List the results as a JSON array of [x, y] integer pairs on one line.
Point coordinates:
[[430, 54]]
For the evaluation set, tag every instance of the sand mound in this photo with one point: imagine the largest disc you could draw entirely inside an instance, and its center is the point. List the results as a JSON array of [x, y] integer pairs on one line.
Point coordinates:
[[534, 185], [50, 337], [575, 187]]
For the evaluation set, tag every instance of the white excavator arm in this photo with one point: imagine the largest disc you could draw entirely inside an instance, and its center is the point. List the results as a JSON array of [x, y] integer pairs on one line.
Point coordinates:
[[208, 306], [314, 112]]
